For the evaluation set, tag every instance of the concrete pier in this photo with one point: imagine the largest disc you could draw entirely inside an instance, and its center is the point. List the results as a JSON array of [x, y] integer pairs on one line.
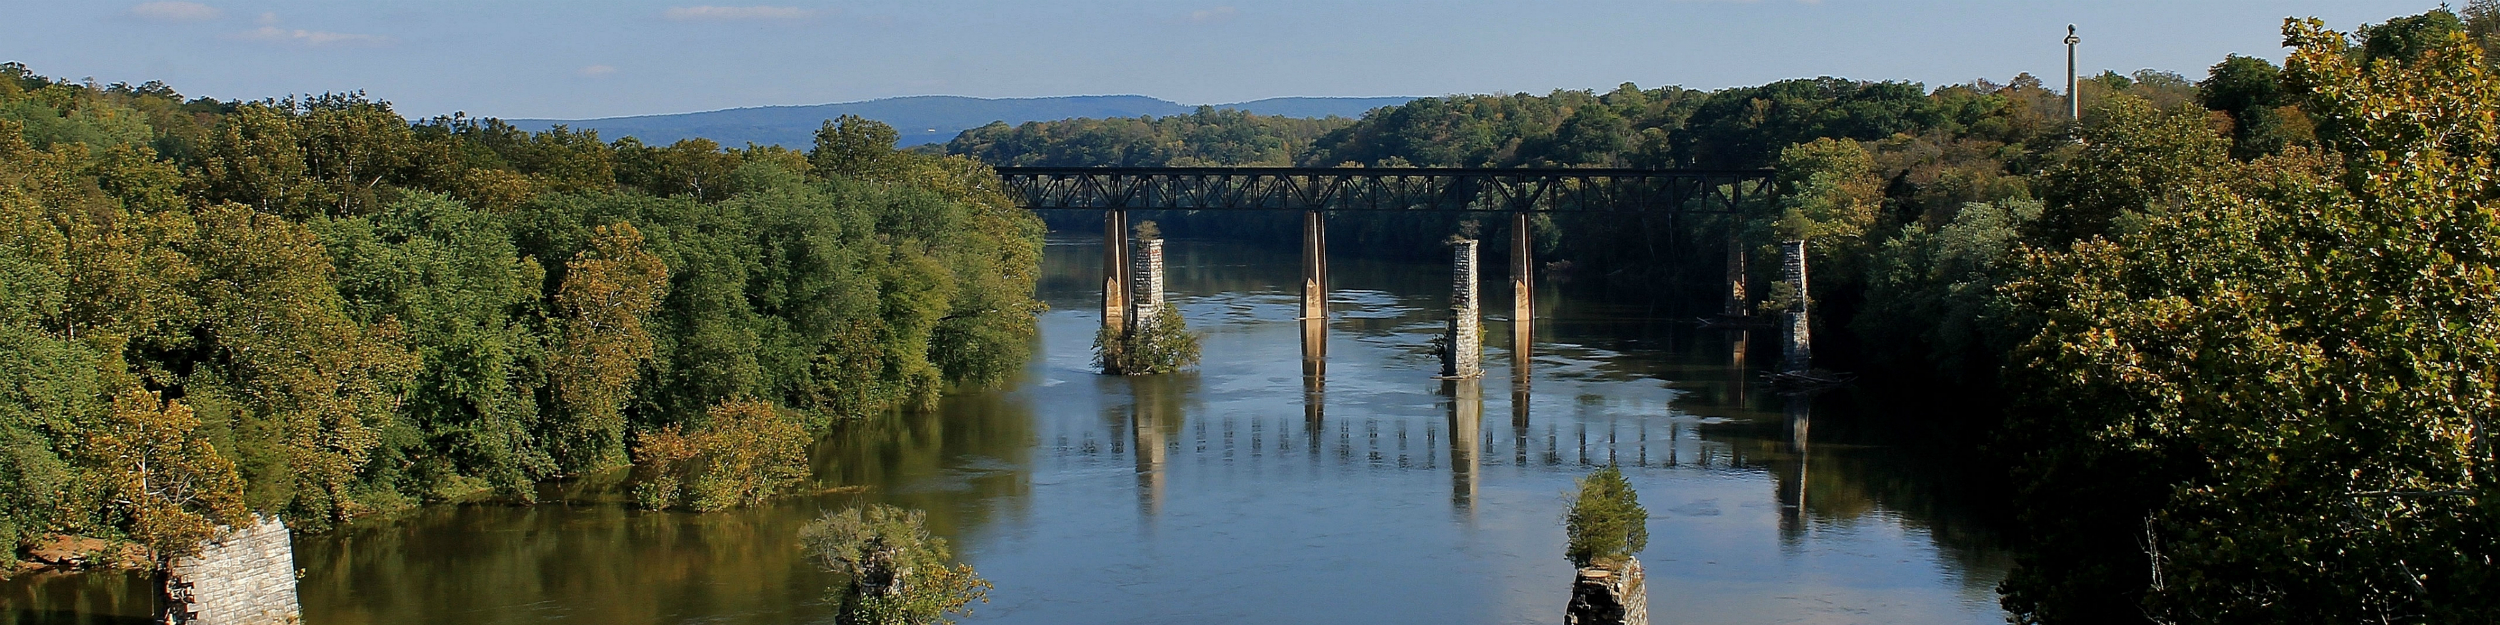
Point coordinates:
[[1522, 281], [1314, 266], [244, 576], [1115, 272], [1314, 312], [1463, 350], [1797, 354]]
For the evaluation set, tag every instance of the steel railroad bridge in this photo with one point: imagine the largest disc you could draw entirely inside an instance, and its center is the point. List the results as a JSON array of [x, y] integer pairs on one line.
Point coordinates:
[[1520, 193]]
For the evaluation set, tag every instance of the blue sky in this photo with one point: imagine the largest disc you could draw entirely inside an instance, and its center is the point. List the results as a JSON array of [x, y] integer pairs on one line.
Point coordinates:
[[522, 58]]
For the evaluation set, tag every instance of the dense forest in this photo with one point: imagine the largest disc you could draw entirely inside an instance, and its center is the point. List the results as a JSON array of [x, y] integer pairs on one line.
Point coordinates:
[[317, 308], [2229, 337]]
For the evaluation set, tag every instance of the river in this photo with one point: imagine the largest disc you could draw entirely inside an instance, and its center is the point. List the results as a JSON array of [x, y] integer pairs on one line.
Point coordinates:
[[1217, 496]]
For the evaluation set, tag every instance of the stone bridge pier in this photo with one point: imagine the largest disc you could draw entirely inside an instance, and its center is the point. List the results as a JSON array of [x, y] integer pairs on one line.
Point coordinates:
[[1462, 349], [243, 576]]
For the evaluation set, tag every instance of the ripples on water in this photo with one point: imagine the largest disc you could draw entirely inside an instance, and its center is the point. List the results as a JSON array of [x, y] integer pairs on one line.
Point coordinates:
[[1216, 496]]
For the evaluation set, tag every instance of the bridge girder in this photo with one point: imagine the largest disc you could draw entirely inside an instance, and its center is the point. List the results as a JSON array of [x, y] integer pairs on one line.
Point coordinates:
[[1686, 191]]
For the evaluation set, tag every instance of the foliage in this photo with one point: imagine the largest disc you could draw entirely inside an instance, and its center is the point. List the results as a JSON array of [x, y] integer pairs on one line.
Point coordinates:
[[1931, 300], [360, 313], [1207, 137], [2136, 158], [2270, 397], [1606, 521], [461, 298], [1162, 344], [742, 453], [893, 572], [610, 289], [2263, 119], [156, 471]]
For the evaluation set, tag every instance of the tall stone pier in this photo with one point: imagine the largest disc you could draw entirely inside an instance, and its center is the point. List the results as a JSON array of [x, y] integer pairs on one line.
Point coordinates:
[[1609, 594], [1797, 355], [244, 576], [1462, 355], [1145, 290]]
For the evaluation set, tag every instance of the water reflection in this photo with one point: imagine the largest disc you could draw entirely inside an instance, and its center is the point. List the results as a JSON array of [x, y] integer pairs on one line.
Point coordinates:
[[1799, 411], [1154, 418], [1214, 497], [1466, 427]]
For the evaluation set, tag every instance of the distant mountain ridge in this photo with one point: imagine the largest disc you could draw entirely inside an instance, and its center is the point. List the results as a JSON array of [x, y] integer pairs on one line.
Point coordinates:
[[923, 119]]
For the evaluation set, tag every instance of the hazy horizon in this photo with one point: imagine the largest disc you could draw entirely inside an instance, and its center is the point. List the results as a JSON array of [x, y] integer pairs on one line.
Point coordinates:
[[574, 60]]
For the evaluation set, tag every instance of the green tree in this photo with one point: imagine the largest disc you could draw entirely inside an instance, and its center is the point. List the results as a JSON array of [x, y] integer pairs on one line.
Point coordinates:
[[893, 572], [2136, 160], [256, 158], [2263, 121], [604, 305], [462, 300], [742, 453], [2406, 39], [854, 146], [311, 383], [2273, 397], [169, 486], [1606, 522]]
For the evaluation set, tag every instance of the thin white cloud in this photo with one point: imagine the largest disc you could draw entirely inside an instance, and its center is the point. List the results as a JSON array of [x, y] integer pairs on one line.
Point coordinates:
[[175, 12], [1217, 14], [595, 71], [314, 38], [713, 13]]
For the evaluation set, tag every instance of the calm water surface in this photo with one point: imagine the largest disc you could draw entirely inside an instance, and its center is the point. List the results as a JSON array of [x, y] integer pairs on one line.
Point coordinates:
[[1241, 492]]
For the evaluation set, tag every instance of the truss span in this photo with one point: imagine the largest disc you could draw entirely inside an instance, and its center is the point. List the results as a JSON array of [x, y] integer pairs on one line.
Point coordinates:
[[1387, 189]]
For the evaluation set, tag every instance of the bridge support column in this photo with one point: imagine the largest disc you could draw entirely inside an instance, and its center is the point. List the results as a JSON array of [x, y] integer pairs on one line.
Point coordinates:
[[1145, 290], [1522, 283], [1314, 315], [1736, 300], [1314, 266], [1462, 351], [1798, 354], [1115, 276]]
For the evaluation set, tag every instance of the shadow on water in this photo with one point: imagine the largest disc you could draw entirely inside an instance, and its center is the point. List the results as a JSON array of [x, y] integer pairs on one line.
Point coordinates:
[[1356, 487], [87, 598]]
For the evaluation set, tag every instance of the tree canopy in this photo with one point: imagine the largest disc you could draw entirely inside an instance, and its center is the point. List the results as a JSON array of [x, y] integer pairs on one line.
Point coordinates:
[[315, 307]]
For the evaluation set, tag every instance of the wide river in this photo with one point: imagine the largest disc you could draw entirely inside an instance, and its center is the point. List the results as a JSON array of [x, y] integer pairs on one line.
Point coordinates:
[[1237, 494]]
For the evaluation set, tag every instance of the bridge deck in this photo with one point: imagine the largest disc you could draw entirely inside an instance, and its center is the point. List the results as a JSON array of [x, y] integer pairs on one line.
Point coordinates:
[[1706, 191]]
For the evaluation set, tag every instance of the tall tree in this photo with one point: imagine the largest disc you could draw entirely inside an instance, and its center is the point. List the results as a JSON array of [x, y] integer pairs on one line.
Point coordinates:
[[610, 290]]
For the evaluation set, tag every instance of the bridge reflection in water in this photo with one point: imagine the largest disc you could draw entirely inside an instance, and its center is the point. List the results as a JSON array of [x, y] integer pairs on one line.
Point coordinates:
[[1155, 432]]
